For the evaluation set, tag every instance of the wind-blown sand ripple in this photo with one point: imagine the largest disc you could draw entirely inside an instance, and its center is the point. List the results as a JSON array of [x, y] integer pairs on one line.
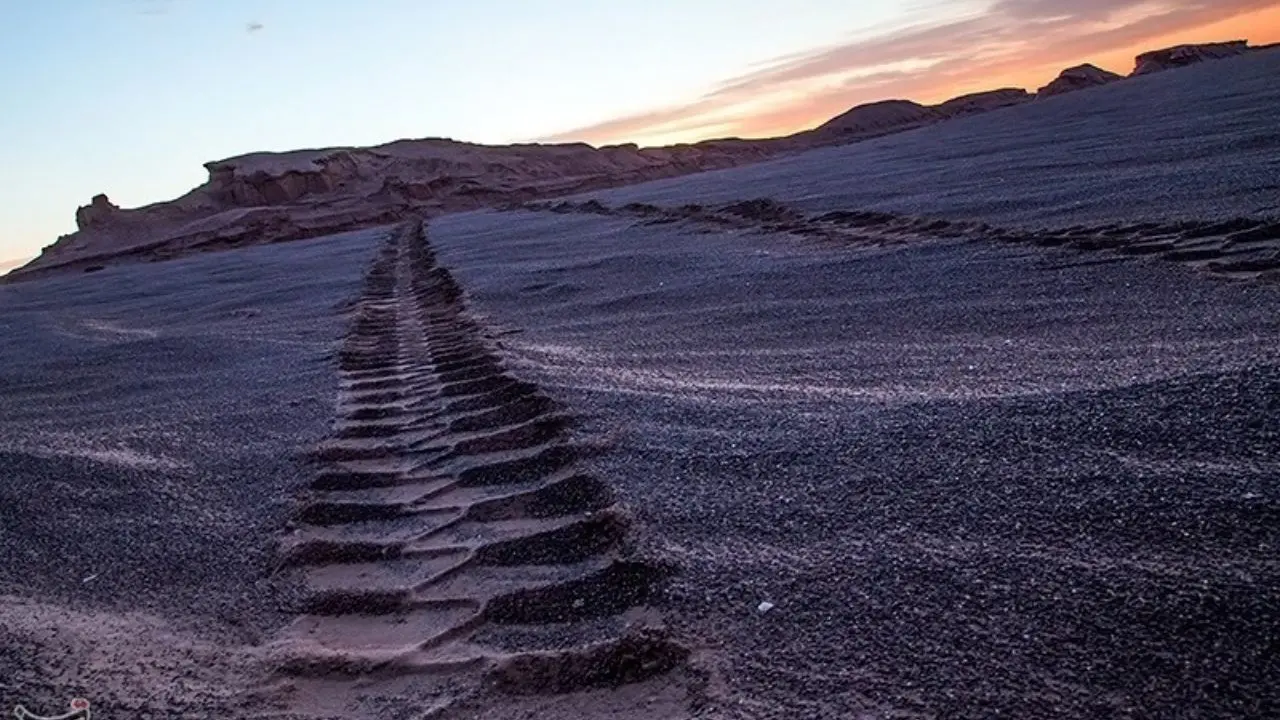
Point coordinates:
[[1245, 248]]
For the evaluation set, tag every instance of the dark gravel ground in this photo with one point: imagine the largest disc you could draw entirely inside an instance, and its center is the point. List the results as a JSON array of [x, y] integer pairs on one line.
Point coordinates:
[[151, 419], [975, 482]]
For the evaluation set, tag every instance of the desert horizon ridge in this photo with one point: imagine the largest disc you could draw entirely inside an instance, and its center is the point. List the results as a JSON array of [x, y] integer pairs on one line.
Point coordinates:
[[279, 196], [947, 412]]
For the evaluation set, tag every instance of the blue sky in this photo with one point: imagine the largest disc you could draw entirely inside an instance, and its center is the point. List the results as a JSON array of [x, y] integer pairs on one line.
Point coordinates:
[[130, 97]]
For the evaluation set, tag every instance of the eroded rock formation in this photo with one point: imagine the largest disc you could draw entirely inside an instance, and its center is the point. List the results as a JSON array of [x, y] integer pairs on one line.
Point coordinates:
[[1183, 55], [97, 213]]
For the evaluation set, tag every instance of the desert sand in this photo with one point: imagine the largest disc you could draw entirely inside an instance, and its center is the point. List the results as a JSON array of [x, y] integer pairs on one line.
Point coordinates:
[[936, 424]]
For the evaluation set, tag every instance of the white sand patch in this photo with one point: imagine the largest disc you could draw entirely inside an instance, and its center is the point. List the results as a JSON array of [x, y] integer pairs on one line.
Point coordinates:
[[111, 328], [66, 445], [98, 330]]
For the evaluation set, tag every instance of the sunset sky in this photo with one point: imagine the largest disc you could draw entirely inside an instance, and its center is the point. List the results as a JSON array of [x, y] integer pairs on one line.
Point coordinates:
[[130, 97]]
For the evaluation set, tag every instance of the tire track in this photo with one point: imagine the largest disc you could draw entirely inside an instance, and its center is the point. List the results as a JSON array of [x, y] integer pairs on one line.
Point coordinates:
[[449, 536], [1246, 248]]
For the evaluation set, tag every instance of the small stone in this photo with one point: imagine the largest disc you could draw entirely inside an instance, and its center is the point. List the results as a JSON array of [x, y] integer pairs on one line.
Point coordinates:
[[764, 607]]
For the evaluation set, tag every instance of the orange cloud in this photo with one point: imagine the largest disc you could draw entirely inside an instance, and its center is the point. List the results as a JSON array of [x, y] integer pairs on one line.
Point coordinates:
[[1017, 43]]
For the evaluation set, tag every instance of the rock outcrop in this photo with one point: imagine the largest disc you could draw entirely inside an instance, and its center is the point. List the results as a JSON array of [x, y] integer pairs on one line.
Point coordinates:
[[97, 213], [1078, 78], [1183, 55]]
